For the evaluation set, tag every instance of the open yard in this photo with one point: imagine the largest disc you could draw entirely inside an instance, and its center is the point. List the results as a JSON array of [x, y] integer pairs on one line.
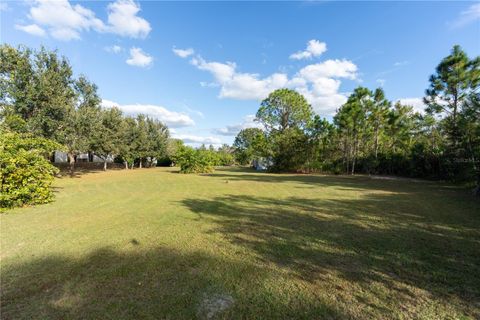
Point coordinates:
[[156, 244]]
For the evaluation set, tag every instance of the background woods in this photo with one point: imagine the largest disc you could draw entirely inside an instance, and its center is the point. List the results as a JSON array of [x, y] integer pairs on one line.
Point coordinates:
[[41, 98]]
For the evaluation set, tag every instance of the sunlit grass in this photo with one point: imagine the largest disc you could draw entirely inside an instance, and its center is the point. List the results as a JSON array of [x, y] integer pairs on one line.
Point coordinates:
[[156, 244]]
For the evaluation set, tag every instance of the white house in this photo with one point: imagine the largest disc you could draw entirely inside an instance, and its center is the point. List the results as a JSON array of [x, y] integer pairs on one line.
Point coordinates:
[[62, 157]]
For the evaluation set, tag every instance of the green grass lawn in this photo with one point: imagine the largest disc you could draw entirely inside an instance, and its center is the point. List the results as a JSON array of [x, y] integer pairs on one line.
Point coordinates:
[[155, 244]]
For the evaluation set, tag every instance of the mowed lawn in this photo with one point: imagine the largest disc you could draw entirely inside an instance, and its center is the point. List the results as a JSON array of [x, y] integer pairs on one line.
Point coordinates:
[[237, 244]]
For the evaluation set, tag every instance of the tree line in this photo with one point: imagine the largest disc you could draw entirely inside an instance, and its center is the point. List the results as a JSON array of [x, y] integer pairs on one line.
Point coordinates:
[[40, 96], [44, 108], [370, 134]]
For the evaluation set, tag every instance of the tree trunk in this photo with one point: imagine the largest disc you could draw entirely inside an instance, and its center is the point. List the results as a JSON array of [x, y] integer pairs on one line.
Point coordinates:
[[140, 163], [104, 165], [347, 155], [71, 162], [354, 155], [476, 191], [126, 165]]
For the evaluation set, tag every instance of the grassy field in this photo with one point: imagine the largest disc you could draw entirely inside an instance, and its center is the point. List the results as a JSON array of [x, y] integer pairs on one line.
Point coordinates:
[[156, 244]]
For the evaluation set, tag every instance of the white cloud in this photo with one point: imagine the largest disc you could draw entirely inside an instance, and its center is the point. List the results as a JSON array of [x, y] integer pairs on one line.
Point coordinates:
[[139, 58], [314, 49], [319, 83], [114, 49], [468, 16], [194, 139], [330, 69], [233, 130], [123, 19], [170, 118], [325, 86], [242, 86], [65, 21], [183, 53], [32, 29], [416, 103], [222, 72], [246, 86]]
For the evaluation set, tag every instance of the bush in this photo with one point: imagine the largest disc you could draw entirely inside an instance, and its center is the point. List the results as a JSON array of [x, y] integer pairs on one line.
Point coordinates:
[[25, 173], [224, 158], [194, 160]]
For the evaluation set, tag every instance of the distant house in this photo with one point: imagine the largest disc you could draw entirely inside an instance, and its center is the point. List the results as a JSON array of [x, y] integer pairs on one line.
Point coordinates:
[[62, 157], [262, 164]]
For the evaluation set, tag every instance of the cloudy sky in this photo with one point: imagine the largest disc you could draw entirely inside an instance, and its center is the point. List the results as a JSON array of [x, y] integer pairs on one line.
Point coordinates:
[[203, 67]]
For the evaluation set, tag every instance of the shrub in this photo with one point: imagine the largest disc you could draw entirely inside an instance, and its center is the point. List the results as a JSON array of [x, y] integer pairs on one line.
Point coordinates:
[[225, 159], [194, 160], [25, 173]]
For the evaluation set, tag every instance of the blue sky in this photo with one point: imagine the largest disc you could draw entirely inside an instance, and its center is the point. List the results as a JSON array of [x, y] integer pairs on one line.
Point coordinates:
[[203, 67]]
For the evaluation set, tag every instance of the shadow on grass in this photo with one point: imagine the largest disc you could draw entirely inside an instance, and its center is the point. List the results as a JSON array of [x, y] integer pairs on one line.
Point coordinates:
[[385, 239], [146, 284], [83, 168], [89, 168], [347, 182]]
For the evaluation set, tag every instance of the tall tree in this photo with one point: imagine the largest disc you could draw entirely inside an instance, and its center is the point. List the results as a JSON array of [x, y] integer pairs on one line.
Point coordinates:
[[454, 80], [129, 137], [142, 143], [377, 116], [39, 87], [400, 128], [323, 134], [469, 126], [283, 109], [17, 84], [107, 139], [82, 121], [351, 120], [158, 136], [249, 144], [286, 117]]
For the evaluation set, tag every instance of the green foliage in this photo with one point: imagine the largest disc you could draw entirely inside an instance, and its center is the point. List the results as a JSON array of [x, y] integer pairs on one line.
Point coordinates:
[[38, 86], [225, 156], [290, 150], [284, 108], [143, 140], [39, 95], [25, 173], [287, 118], [249, 144], [172, 146], [107, 139], [455, 78], [370, 135], [193, 160]]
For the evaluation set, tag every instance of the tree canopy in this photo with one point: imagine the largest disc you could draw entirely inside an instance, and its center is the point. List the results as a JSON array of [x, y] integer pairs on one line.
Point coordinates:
[[370, 134]]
